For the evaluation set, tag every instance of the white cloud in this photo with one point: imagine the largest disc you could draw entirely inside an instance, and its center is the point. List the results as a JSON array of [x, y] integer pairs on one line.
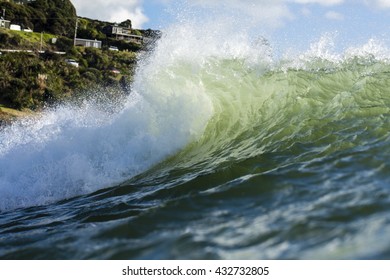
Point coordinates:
[[272, 13], [112, 10], [306, 12], [382, 4], [321, 2], [332, 15]]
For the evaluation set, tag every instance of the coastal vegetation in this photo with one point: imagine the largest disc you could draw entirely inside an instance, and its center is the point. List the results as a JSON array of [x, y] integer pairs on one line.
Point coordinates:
[[31, 80], [44, 67]]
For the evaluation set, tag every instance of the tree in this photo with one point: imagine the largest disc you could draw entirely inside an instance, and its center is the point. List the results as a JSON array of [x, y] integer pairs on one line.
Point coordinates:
[[126, 23], [52, 16], [61, 16]]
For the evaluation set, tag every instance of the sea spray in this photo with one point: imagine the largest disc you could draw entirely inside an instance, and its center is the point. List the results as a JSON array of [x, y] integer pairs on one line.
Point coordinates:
[[223, 150], [78, 149], [194, 80]]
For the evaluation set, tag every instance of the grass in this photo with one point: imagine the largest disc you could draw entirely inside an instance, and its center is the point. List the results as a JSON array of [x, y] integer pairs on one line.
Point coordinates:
[[8, 114], [33, 38]]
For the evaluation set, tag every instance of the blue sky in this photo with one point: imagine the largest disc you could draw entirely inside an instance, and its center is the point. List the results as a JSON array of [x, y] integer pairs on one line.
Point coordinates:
[[300, 20]]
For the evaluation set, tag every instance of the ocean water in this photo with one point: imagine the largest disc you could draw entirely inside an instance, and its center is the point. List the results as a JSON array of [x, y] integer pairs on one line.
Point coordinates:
[[222, 150]]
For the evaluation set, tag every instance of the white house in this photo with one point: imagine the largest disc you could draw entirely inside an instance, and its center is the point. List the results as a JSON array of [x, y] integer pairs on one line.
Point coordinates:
[[23, 1], [5, 23], [88, 43], [123, 33], [15, 27]]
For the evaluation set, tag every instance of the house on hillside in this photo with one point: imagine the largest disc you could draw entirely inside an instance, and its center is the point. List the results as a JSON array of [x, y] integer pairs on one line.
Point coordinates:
[[137, 39], [22, 2], [15, 27], [5, 23], [88, 43], [19, 1], [122, 33]]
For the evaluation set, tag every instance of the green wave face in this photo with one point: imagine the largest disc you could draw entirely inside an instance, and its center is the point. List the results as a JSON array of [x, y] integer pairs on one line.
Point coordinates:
[[292, 163], [308, 113]]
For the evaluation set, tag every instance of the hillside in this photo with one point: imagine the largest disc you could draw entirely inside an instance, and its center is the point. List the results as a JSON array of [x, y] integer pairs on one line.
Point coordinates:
[[45, 67], [34, 78], [49, 16]]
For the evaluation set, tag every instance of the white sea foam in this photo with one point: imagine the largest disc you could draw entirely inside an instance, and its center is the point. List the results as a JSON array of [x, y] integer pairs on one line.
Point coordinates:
[[74, 150]]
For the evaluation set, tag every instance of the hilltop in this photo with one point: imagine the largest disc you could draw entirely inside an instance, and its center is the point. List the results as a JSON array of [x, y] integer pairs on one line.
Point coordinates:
[[44, 64], [49, 16]]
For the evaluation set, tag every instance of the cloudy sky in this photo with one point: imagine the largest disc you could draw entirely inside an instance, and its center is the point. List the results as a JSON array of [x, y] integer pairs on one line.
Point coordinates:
[[360, 19]]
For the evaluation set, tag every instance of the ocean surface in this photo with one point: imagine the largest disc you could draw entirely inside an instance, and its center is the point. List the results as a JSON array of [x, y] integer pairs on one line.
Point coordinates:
[[222, 150]]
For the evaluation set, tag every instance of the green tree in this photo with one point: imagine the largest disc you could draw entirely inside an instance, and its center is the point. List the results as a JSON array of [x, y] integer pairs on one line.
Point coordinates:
[[127, 23]]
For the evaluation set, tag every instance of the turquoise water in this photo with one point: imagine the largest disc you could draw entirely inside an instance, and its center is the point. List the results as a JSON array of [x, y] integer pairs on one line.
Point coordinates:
[[219, 152]]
